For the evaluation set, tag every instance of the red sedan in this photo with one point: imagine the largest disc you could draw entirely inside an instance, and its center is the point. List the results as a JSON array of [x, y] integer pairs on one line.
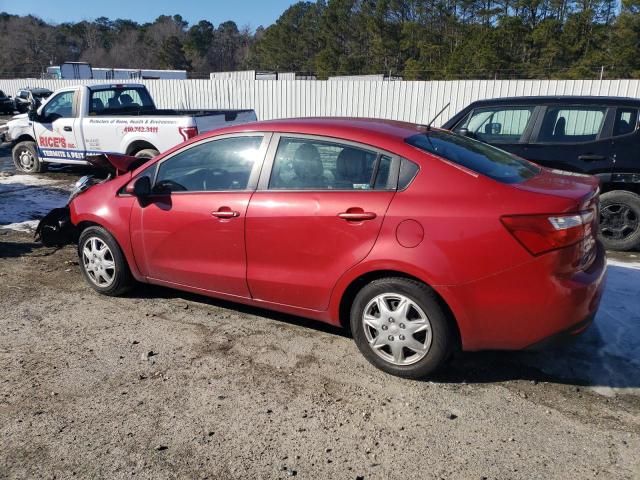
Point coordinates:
[[419, 240]]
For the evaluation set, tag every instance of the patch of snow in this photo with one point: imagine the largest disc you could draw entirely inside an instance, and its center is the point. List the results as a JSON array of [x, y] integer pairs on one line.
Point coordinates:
[[24, 199], [607, 356]]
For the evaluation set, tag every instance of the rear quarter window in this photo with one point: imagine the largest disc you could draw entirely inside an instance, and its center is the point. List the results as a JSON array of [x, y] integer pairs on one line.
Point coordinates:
[[474, 155]]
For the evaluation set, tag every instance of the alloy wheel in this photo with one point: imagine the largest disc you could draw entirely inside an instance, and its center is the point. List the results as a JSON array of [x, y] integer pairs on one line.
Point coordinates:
[[397, 329], [98, 262], [618, 221]]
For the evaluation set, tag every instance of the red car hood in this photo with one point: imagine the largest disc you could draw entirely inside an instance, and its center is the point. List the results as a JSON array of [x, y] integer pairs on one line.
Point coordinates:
[[116, 163]]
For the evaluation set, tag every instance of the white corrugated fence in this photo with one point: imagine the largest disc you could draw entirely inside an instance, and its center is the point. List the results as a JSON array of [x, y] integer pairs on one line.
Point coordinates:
[[415, 102]]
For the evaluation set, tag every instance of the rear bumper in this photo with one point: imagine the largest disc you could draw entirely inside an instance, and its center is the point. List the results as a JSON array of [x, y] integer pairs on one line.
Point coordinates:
[[529, 304]]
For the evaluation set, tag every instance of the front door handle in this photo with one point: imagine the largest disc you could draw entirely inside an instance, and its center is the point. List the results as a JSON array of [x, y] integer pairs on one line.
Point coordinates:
[[356, 215], [591, 158], [67, 129], [225, 212]]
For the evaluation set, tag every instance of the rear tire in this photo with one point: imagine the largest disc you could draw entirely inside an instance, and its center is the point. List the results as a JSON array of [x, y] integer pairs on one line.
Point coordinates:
[[102, 262], [25, 158], [147, 153], [620, 220], [400, 327]]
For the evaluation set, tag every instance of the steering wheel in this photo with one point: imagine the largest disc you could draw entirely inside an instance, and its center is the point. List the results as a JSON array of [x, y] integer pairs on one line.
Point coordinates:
[[168, 186]]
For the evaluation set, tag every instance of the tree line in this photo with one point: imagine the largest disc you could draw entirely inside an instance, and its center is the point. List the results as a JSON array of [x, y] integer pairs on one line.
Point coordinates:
[[414, 39]]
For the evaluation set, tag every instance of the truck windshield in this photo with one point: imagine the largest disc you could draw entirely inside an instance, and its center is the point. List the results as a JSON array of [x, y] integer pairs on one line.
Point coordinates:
[[477, 156], [119, 100]]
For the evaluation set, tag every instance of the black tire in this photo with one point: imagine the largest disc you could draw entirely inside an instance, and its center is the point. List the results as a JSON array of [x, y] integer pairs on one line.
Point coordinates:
[[443, 338], [26, 159], [147, 153], [620, 220], [122, 280]]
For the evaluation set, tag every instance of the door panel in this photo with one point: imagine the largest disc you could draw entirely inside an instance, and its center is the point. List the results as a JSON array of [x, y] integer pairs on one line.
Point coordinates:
[[298, 246], [181, 241], [319, 211], [191, 230], [625, 142], [569, 138]]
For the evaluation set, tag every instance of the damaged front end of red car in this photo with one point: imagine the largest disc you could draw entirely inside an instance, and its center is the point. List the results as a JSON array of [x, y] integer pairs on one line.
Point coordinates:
[[56, 229]]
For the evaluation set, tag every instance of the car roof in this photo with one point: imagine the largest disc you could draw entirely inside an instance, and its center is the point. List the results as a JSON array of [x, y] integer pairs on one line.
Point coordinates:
[[558, 99], [348, 128]]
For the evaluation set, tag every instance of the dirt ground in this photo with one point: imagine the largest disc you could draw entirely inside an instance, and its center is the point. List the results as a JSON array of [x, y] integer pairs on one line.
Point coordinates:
[[163, 384]]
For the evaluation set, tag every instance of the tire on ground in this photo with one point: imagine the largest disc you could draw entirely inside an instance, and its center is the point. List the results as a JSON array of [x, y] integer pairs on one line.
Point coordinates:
[[444, 339], [26, 159], [123, 280], [616, 200]]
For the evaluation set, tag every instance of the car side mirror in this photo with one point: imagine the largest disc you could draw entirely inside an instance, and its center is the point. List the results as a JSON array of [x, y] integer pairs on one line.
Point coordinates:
[[140, 187], [464, 132]]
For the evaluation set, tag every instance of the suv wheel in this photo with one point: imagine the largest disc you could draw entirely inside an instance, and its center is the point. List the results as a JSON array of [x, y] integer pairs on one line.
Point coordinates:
[[620, 220], [400, 327], [25, 158], [103, 263]]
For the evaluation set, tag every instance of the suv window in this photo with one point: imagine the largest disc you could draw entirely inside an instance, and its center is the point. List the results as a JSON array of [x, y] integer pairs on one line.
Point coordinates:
[[305, 164], [571, 124], [474, 155], [497, 124], [114, 100], [217, 165], [626, 121], [60, 106]]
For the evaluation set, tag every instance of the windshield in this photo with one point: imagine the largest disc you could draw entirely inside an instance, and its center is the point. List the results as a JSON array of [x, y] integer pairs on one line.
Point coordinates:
[[477, 156]]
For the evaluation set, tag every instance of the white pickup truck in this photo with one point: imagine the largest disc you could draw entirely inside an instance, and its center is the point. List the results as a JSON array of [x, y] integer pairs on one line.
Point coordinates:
[[84, 120]]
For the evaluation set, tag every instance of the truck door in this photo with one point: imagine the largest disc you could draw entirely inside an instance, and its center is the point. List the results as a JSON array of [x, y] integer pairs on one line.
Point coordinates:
[[57, 129], [625, 141]]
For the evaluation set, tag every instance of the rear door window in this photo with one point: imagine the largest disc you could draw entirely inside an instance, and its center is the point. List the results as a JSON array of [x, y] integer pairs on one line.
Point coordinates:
[[571, 124], [474, 155], [497, 124], [118, 100], [625, 122], [310, 164]]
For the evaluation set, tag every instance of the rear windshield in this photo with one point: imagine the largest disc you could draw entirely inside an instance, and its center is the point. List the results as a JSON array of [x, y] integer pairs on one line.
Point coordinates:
[[474, 155]]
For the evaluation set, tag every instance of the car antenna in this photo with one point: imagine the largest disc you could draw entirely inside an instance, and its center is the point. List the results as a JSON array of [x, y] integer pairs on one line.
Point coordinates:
[[437, 115]]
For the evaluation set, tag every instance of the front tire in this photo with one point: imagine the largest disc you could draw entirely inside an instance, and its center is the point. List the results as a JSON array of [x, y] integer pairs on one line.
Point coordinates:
[[620, 220], [400, 327], [26, 159], [103, 263]]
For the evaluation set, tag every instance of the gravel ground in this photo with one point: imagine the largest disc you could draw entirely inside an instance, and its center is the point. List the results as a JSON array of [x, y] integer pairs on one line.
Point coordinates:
[[163, 384]]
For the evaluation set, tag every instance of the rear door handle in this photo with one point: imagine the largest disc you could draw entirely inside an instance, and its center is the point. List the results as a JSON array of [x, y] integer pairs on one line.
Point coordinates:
[[225, 212], [591, 158], [356, 215], [67, 129]]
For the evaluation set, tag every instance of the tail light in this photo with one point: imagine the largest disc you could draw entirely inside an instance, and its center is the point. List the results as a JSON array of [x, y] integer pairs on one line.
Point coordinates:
[[188, 132], [543, 233]]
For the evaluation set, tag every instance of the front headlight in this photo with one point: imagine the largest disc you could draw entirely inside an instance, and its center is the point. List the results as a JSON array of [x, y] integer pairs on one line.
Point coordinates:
[[81, 185]]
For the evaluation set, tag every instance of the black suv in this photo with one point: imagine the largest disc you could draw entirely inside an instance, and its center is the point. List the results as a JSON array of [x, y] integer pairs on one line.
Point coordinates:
[[592, 135]]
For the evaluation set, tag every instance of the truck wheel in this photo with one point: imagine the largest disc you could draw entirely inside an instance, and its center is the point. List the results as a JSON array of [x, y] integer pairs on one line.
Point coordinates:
[[25, 158], [620, 220], [147, 153]]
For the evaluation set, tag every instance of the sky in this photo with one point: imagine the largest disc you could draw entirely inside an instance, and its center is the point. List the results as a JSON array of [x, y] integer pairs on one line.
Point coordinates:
[[244, 12]]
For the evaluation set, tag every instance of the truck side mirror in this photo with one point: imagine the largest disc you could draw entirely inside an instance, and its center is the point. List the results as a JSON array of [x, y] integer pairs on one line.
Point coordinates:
[[32, 113]]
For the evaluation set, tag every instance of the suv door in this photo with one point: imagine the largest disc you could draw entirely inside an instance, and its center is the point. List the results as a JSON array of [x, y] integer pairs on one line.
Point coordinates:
[[571, 137], [191, 230], [506, 127], [317, 212], [625, 144], [57, 129]]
